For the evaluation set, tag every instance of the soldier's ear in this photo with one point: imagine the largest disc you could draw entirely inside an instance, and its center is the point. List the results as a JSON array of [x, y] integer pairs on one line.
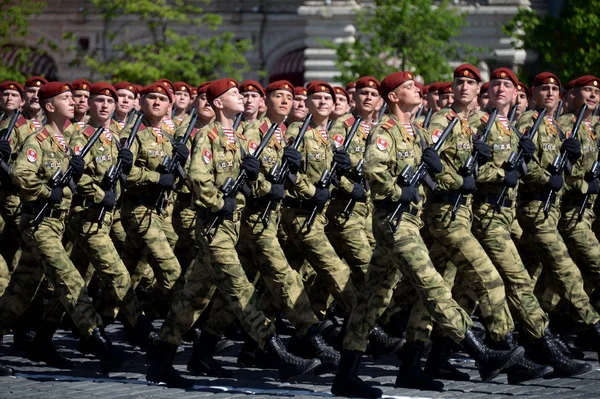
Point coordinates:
[[49, 106]]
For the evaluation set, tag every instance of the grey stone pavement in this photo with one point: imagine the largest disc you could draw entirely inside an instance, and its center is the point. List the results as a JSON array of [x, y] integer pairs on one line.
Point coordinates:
[[85, 381]]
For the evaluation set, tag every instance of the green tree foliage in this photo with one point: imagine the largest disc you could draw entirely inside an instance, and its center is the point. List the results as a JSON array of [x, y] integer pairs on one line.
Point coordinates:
[[13, 28], [568, 44], [415, 35], [167, 52]]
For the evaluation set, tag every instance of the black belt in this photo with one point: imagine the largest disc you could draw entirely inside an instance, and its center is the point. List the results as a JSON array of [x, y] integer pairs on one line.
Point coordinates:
[[448, 198], [206, 214], [390, 206], [534, 196], [575, 201], [298, 204], [343, 196], [33, 208], [493, 200]]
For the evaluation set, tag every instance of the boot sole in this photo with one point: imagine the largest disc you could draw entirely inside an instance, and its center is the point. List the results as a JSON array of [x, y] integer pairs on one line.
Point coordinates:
[[516, 380], [517, 355], [286, 375], [582, 370]]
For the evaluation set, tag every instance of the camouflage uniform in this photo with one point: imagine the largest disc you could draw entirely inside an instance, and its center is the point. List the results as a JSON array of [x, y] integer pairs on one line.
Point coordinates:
[[541, 233], [461, 247], [213, 161], [317, 157], [493, 228], [390, 148], [148, 233], [42, 155]]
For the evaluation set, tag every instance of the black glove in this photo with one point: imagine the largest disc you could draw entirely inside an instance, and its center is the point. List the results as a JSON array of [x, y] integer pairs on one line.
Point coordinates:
[[432, 160], [468, 186], [484, 151], [277, 193], [228, 208], [358, 192], [572, 147], [252, 167], [5, 150], [182, 152], [293, 158], [593, 187], [109, 201], [511, 178], [56, 195], [409, 194], [528, 147], [321, 196], [555, 182], [342, 159], [77, 163], [126, 158], [167, 180]]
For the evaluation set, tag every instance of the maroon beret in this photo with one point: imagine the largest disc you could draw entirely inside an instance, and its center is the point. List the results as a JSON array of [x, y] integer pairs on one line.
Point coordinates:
[[81, 84], [318, 86], [350, 86], [342, 91], [587, 80], [393, 80], [300, 91], [367, 81], [445, 87], [252, 85], [167, 83], [467, 71], [158, 87], [35, 81], [504, 73], [12, 85], [52, 89], [126, 86], [104, 89], [219, 87], [484, 88], [280, 85], [182, 86], [523, 88], [544, 78], [203, 87]]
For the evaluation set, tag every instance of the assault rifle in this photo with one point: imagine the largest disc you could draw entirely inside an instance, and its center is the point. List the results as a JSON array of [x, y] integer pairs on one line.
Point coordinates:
[[427, 119], [359, 174], [279, 173], [409, 177], [5, 135], [237, 121]]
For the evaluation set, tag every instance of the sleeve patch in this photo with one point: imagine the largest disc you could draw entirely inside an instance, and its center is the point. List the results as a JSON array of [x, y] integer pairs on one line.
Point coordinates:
[[382, 144], [207, 156], [435, 136], [32, 155], [252, 146], [338, 140], [78, 149]]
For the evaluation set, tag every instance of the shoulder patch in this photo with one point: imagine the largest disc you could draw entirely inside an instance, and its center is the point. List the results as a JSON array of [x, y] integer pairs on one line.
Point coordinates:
[[449, 116], [88, 131], [485, 118], [207, 155], [264, 127], [32, 155], [338, 140], [213, 134], [382, 143], [349, 122], [194, 131], [388, 124], [42, 135], [20, 121], [535, 115], [435, 135]]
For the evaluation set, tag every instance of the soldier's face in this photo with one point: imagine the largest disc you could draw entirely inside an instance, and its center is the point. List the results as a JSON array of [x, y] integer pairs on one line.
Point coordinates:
[[432, 100], [231, 100], [204, 109], [320, 104], [81, 98], [279, 102], [521, 102], [125, 101], [465, 90], [366, 99], [483, 100], [32, 101], [351, 95], [61, 105], [182, 99], [155, 105], [589, 95], [10, 100], [446, 100], [101, 107], [408, 95], [501, 92], [252, 102], [299, 110], [546, 96], [342, 106]]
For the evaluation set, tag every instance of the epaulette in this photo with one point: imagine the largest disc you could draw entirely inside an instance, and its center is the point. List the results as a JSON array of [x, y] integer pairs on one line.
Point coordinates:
[[450, 116], [20, 121], [535, 115], [350, 121], [388, 124], [88, 131], [42, 135], [574, 118], [213, 134], [264, 127], [485, 118], [194, 131]]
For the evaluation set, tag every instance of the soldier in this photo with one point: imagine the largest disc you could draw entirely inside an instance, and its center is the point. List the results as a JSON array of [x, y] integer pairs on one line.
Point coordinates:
[[540, 231], [31, 109], [127, 93], [254, 96], [342, 103], [214, 160], [492, 224], [146, 228], [81, 95], [168, 125], [484, 96], [43, 154], [182, 101], [445, 95], [522, 100], [394, 144], [350, 89], [433, 96], [299, 110], [306, 194]]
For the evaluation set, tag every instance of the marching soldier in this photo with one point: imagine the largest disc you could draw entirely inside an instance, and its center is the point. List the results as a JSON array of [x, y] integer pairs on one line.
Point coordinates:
[[181, 103], [342, 103], [445, 95], [522, 100], [81, 95], [299, 110], [32, 111], [127, 94], [254, 97]]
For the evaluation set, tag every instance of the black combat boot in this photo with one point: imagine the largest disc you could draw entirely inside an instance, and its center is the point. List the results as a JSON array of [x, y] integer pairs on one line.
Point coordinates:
[[524, 369], [410, 374], [381, 343], [202, 361], [438, 364], [41, 348], [314, 346], [569, 351], [5, 371], [141, 335], [490, 362], [590, 339], [547, 349], [111, 358], [347, 382], [161, 367], [289, 365]]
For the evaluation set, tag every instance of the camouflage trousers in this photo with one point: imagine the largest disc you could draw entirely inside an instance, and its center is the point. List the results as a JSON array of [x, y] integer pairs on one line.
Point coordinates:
[[493, 230], [471, 261], [117, 231], [186, 247], [217, 268], [260, 250], [542, 235], [320, 254], [44, 255], [403, 250], [150, 236], [11, 243]]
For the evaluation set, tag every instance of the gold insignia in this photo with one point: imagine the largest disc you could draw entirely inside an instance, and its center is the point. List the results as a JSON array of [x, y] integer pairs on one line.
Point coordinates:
[[337, 91], [130, 88], [165, 84], [183, 88], [409, 75], [286, 86], [84, 86], [250, 87], [13, 86], [502, 75], [371, 83], [595, 83], [304, 92], [551, 80], [232, 83], [519, 87], [466, 73], [37, 83], [159, 89], [107, 92], [323, 88], [66, 87]]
